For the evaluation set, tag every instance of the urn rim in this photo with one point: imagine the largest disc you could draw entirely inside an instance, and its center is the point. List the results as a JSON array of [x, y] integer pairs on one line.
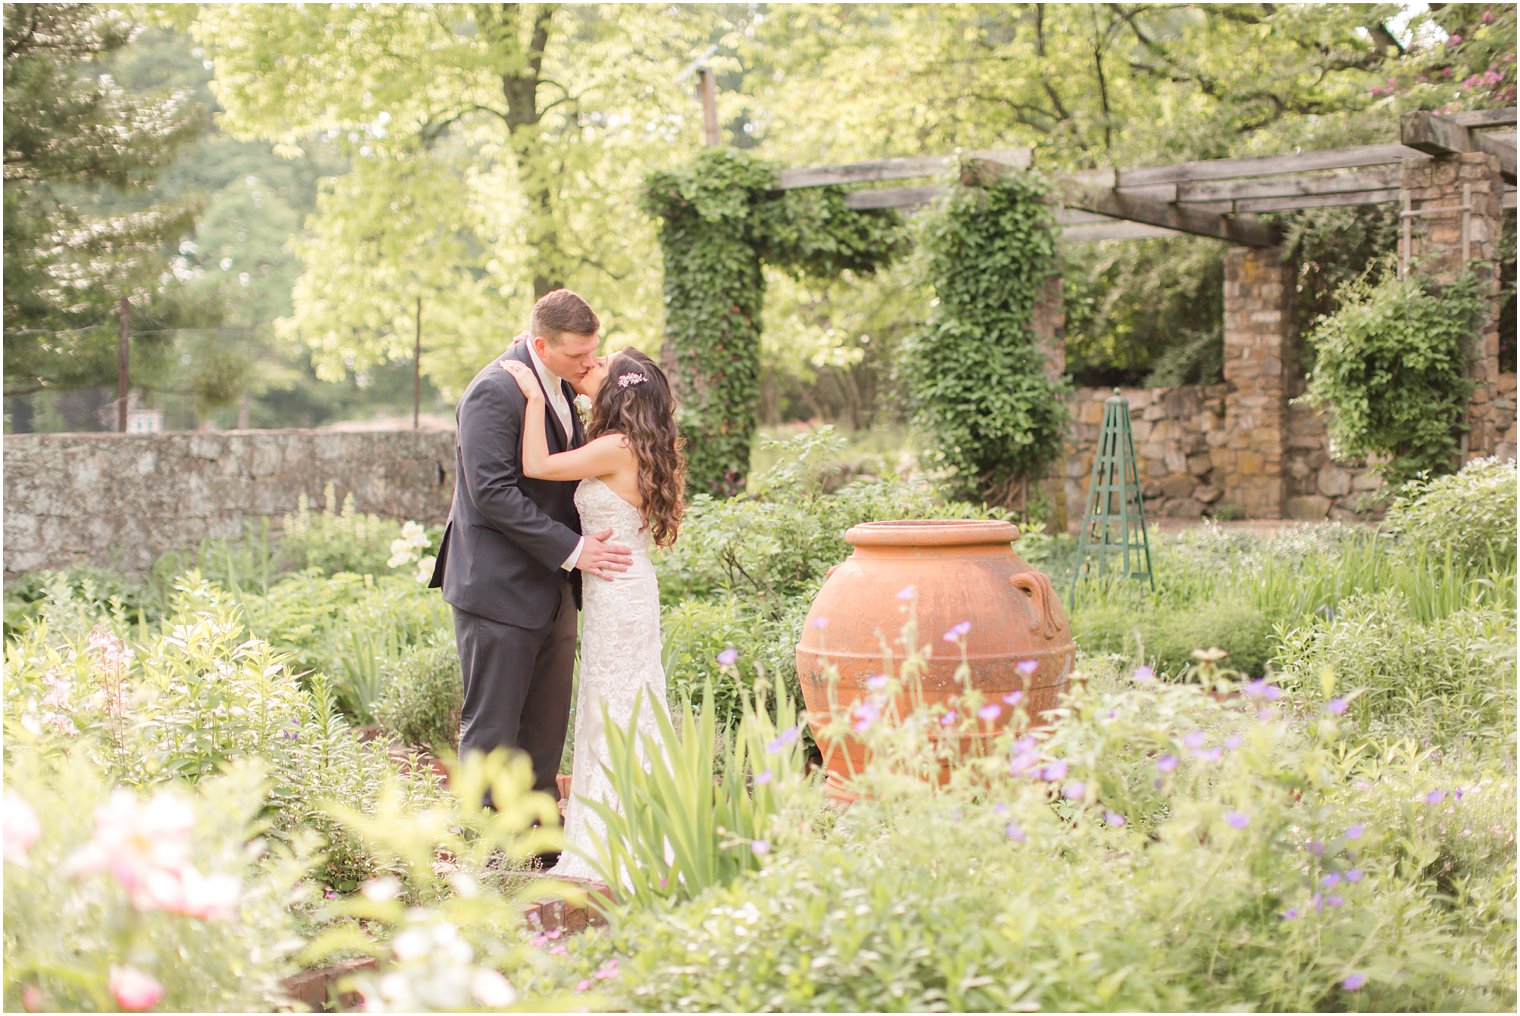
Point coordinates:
[[932, 533]]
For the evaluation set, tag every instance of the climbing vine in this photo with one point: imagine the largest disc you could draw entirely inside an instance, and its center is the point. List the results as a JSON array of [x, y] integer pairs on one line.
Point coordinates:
[[983, 401], [720, 220], [1391, 367]]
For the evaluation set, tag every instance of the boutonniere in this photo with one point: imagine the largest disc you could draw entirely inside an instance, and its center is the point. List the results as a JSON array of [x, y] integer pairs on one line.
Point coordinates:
[[582, 406]]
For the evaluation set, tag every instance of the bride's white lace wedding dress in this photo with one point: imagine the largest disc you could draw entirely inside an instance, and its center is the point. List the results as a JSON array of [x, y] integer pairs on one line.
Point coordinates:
[[620, 656]]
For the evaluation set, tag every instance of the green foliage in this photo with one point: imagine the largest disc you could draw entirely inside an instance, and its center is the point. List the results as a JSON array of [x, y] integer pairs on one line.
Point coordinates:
[[1165, 637], [336, 539], [679, 831], [1468, 516], [1273, 867], [422, 695], [1391, 367], [72, 916], [1443, 682], [718, 220], [72, 599], [991, 414], [69, 130]]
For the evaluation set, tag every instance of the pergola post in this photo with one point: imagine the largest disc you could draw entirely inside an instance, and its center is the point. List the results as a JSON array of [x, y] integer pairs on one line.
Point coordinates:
[[1049, 324], [1260, 362], [1452, 210]]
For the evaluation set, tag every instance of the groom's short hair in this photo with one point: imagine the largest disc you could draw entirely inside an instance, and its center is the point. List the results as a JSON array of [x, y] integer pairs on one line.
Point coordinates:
[[561, 311]]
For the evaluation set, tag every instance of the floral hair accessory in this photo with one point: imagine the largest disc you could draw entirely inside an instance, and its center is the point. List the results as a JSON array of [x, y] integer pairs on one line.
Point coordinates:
[[624, 380]]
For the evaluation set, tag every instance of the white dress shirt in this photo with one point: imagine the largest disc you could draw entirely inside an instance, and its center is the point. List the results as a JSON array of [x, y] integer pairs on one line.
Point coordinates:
[[562, 413]]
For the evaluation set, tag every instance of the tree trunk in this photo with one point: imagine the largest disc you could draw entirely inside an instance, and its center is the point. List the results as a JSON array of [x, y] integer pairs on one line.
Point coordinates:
[[520, 69]]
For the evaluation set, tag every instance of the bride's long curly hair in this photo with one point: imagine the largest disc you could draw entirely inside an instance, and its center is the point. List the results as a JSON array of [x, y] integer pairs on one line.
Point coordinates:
[[644, 412]]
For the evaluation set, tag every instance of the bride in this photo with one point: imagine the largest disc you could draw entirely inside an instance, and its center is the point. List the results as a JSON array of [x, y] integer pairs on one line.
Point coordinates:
[[633, 479]]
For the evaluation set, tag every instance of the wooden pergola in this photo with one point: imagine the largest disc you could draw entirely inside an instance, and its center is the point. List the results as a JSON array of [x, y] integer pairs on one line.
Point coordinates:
[[1217, 198]]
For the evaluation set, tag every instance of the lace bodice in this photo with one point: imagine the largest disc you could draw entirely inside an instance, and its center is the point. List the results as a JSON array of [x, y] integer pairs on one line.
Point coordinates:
[[620, 656]]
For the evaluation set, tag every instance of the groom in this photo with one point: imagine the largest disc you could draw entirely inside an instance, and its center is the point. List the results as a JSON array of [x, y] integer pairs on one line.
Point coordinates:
[[513, 548]]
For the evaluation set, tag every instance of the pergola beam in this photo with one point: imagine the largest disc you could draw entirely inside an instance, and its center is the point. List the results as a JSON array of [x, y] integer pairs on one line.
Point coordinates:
[[895, 169], [1439, 135], [1241, 229]]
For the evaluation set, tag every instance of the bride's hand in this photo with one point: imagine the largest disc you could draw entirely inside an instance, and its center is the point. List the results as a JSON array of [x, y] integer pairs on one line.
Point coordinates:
[[525, 379]]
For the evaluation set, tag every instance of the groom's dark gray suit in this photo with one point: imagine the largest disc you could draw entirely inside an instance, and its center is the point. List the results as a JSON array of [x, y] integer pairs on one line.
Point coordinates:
[[500, 567]]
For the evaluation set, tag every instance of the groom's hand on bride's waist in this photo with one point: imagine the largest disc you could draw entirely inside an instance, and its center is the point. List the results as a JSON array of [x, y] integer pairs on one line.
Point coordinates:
[[603, 559]]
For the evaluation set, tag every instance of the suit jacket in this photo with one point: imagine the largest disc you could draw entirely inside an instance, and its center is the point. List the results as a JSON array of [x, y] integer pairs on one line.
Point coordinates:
[[507, 534]]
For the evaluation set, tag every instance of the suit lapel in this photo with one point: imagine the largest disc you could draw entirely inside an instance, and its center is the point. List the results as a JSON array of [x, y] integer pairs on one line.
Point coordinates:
[[552, 427]]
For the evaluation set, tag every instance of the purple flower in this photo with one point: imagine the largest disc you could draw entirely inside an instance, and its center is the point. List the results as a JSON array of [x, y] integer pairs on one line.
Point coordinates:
[[1025, 759], [877, 682], [1315, 847], [1331, 879], [990, 712], [728, 657], [1262, 688], [1435, 797], [1236, 819], [821, 623], [1014, 832], [1354, 875], [1166, 763], [1013, 698], [1291, 914], [1143, 673], [763, 778], [1074, 790], [1000, 808], [948, 719], [1458, 793], [1196, 739], [1338, 705], [865, 712], [1355, 832], [760, 847], [1354, 982], [1208, 754], [1054, 771], [1113, 818], [958, 631], [1027, 667], [1232, 742], [1334, 902], [786, 737], [906, 593]]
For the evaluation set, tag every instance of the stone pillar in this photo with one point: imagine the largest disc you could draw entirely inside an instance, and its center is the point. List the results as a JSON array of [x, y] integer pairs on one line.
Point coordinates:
[[1453, 212], [1049, 324], [1260, 362]]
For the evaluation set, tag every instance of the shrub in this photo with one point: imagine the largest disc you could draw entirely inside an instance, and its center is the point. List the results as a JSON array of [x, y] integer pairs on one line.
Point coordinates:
[[423, 695], [1165, 635], [1468, 516], [1443, 682], [696, 633], [1391, 366], [337, 539], [111, 900], [1154, 850]]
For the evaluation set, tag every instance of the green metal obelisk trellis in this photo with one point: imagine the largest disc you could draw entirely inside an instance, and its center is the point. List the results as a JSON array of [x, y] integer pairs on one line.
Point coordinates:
[[1113, 541]]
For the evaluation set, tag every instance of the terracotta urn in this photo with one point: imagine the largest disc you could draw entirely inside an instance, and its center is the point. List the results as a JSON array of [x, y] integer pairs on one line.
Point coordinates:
[[959, 578]]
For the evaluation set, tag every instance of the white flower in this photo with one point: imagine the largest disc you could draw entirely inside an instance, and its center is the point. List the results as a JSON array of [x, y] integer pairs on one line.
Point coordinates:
[[492, 990], [383, 889], [22, 829], [425, 568]]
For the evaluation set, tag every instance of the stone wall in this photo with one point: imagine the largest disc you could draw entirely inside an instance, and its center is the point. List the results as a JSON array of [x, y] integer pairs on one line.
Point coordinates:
[[1184, 454], [112, 500]]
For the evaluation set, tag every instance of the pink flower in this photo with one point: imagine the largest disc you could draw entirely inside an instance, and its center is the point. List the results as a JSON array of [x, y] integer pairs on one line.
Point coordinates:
[[728, 657], [990, 712], [583, 985], [1354, 982], [1455, 39], [877, 682], [948, 719], [1027, 667], [1074, 790], [1143, 673], [133, 838], [906, 593], [958, 631], [134, 990], [32, 998], [1013, 698], [608, 970], [22, 830]]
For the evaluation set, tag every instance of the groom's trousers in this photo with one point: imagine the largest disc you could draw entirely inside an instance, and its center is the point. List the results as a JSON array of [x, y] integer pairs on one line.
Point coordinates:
[[517, 687]]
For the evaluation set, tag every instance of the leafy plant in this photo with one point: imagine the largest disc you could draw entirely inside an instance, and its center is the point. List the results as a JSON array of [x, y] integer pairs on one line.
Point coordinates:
[[422, 696], [1468, 516], [337, 538], [718, 220], [1391, 366], [980, 389], [676, 830]]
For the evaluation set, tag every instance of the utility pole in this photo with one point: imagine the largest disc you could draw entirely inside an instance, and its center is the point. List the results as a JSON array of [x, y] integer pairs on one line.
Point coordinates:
[[709, 106], [121, 367], [417, 370]]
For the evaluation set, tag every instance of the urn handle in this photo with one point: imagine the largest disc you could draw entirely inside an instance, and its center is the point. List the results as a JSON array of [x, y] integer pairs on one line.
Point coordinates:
[[1037, 587]]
